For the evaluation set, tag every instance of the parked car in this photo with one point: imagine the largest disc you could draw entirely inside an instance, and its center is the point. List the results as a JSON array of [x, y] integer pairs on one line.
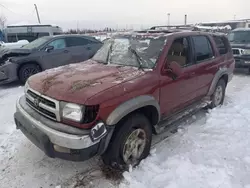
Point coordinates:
[[132, 88], [45, 53], [17, 44], [240, 42]]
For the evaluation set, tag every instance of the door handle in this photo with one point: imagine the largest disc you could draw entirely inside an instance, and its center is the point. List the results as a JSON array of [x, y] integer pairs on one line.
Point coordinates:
[[88, 48], [65, 51]]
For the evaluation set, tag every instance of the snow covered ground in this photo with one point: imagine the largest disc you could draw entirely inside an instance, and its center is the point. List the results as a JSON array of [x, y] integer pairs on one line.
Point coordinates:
[[211, 150]]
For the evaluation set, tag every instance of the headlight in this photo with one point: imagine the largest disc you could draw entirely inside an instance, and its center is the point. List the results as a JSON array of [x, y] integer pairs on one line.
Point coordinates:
[[246, 51], [72, 111]]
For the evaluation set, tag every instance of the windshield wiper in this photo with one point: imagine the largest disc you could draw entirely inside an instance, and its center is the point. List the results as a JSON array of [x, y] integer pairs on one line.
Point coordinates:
[[138, 57]]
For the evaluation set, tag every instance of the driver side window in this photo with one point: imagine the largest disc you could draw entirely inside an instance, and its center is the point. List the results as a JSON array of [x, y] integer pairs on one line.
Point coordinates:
[[58, 44], [180, 52]]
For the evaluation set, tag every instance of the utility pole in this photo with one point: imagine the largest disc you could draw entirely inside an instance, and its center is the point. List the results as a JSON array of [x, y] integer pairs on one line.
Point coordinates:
[[37, 14], [168, 19], [185, 20]]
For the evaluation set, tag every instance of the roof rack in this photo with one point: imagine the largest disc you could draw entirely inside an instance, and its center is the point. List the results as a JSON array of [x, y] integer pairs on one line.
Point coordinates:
[[173, 27]]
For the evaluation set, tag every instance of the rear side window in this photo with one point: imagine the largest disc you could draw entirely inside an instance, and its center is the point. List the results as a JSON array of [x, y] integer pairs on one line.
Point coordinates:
[[77, 41], [202, 47], [221, 44]]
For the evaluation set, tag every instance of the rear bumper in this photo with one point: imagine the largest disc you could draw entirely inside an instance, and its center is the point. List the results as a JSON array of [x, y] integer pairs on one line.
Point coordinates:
[[8, 73], [56, 143]]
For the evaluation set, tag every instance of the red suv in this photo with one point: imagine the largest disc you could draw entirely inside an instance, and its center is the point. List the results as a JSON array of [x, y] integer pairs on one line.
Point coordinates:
[[134, 86]]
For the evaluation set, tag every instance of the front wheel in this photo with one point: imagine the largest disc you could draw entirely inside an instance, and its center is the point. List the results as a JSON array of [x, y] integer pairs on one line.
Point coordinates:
[[28, 70], [219, 94], [130, 143]]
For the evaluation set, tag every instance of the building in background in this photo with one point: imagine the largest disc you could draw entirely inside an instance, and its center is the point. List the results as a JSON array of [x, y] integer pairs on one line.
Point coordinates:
[[242, 23], [30, 32]]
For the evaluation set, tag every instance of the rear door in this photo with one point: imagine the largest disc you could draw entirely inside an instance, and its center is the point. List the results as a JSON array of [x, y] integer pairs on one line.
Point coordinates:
[[58, 56], [82, 48], [206, 61]]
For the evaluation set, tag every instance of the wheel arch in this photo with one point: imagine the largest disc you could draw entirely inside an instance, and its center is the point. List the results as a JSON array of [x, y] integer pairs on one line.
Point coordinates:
[[147, 105], [221, 74]]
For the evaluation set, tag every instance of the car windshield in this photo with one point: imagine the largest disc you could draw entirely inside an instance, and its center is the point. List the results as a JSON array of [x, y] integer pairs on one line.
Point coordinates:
[[239, 36], [131, 51], [36, 43]]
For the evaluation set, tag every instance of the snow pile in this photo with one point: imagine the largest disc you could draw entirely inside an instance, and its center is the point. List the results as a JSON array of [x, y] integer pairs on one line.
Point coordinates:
[[17, 44], [213, 152]]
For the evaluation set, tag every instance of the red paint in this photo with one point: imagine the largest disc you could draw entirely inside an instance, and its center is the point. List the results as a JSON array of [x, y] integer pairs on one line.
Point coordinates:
[[110, 86]]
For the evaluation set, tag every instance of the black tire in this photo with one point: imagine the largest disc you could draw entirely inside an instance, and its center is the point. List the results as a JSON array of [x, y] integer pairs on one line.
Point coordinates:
[[28, 70], [214, 100], [114, 154]]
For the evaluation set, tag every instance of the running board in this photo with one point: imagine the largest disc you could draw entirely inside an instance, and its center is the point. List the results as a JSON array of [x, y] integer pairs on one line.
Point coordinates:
[[171, 123]]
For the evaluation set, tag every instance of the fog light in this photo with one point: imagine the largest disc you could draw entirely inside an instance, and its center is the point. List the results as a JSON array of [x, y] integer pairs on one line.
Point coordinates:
[[98, 131], [61, 149]]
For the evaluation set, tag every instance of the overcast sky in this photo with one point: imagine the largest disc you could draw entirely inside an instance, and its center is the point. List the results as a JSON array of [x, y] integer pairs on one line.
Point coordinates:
[[113, 13]]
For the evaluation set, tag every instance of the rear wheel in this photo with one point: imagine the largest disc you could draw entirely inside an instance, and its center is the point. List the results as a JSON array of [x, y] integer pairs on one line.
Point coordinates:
[[130, 143], [28, 70], [219, 94]]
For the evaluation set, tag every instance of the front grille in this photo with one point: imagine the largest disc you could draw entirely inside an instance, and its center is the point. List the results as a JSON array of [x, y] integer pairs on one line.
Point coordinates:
[[43, 105], [43, 100], [43, 111], [236, 51]]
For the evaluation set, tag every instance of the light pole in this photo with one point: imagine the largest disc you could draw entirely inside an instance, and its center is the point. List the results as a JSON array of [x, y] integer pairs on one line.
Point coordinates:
[[168, 19]]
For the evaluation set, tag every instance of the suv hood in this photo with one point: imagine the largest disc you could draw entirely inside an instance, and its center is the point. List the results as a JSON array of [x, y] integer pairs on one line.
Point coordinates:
[[5, 53], [78, 82], [240, 45]]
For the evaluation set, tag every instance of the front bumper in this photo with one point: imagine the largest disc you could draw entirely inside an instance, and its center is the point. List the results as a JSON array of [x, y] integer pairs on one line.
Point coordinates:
[[8, 73], [242, 61], [54, 142]]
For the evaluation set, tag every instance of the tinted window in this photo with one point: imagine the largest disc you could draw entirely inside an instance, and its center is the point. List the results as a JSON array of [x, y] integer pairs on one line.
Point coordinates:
[[203, 49], [77, 41], [58, 44], [221, 44]]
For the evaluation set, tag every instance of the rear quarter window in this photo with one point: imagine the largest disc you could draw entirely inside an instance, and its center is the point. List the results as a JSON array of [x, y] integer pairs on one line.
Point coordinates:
[[222, 44]]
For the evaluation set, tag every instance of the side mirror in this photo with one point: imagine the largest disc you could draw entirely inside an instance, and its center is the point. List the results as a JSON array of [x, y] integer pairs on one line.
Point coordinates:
[[174, 70], [49, 48]]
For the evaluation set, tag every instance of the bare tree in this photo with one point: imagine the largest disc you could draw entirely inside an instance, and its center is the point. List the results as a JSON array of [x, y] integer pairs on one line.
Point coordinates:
[[3, 20]]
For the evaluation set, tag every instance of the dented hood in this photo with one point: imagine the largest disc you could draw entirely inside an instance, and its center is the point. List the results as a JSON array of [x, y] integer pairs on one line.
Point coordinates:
[[78, 82], [5, 53]]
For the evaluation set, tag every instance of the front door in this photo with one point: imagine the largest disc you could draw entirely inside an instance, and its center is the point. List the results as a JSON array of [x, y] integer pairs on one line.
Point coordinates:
[[179, 93], [59, 55]]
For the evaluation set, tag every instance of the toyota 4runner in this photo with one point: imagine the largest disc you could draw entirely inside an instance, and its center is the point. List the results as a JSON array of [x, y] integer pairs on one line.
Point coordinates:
[[134, 86]]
